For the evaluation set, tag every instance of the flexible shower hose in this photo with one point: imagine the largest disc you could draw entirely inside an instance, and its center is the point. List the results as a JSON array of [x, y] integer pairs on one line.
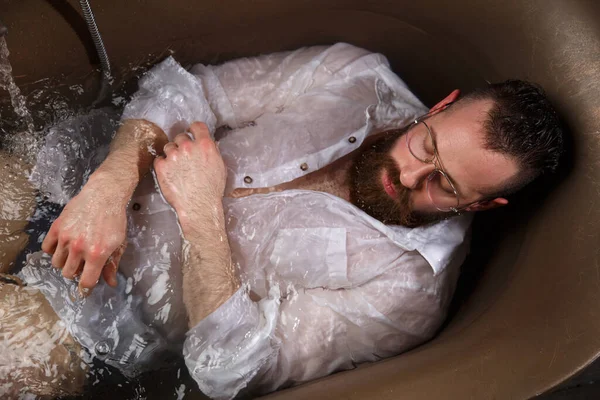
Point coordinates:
[[93, 28], [100, 49]]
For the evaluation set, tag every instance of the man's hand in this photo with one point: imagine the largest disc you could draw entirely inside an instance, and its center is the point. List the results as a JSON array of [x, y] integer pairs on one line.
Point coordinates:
[[90, 233], [192, 174], [192, 179]]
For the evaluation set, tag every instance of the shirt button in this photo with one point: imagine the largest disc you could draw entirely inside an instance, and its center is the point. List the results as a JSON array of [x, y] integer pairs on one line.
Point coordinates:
[[304, 166], [102, 348], [352, 139], [247, 179], [136, 206]]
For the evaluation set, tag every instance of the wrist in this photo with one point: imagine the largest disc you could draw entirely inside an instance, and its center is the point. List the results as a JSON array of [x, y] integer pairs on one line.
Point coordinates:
[[135, 145], [117, 179], [202, 218], [120, 164]]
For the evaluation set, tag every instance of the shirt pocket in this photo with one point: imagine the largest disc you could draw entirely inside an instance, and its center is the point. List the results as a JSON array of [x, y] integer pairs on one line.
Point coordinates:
[[311, 257]]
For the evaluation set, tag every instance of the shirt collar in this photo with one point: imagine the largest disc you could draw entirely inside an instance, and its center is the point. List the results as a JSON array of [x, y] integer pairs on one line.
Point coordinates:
[[436, 242]]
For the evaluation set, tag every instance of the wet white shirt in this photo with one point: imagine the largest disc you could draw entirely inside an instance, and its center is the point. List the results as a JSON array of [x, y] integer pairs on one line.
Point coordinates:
[[337, 286]]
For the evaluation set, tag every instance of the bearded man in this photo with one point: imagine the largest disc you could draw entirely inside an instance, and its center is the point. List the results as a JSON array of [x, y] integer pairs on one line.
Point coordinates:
[[324, 227]]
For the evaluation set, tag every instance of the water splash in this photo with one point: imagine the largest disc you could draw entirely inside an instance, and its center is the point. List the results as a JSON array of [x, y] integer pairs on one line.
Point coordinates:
[[8, 83], [24, 140], [66, 143]]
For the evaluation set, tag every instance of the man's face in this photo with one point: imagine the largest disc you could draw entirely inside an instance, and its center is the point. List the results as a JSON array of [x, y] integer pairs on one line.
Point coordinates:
[[389, 183]]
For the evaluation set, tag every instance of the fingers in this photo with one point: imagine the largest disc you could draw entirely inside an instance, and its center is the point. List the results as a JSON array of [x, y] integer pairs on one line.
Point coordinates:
[[80, 268], [91, 270], [169, 148], [72, 265], [90, 276], [109, 273], [60, 257], [181, 139], [51, 240], [200, 131], [178, 141]]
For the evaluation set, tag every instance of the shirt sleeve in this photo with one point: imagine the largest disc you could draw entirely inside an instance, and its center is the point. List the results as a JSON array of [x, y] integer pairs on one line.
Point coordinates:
[[172, 98], [303, 334]]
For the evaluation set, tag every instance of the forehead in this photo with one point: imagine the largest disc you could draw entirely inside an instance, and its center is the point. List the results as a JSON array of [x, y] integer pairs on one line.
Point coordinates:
[[460, 140]]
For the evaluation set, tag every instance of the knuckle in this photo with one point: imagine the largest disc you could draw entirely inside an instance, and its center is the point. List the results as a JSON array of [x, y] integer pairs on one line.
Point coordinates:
[[63, 238], [207, 144], [77, 245], [97, 252], [186, 146]]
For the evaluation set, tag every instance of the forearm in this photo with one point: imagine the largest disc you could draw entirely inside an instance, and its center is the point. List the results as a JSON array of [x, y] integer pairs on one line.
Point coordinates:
[[209, 277], [134, 147], [132, 151]]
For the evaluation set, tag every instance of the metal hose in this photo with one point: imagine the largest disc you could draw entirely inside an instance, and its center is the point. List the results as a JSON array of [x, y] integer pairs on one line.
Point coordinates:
[[105, 86], [93, 28]]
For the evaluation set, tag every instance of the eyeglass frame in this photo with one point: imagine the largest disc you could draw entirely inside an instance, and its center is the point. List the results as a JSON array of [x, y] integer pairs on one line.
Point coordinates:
[[438, 166]]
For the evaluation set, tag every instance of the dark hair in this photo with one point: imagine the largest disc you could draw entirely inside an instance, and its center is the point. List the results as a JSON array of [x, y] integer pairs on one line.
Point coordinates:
[[522, 124]]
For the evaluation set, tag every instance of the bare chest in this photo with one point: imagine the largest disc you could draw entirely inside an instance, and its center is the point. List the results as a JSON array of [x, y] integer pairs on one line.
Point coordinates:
[[330, 179]]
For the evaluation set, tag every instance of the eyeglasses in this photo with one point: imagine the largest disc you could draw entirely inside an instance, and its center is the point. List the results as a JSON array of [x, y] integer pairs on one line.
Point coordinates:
[[440, 188]]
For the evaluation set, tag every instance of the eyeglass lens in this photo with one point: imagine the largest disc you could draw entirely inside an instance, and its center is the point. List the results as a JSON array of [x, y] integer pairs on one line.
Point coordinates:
[[439, 186]]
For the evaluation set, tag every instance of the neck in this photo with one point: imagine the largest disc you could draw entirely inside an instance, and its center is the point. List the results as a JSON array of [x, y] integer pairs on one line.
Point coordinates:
[[331, 179]]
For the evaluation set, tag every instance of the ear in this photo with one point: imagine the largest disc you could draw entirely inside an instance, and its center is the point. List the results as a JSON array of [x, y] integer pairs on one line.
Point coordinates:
[[487, 204], [452, 97]]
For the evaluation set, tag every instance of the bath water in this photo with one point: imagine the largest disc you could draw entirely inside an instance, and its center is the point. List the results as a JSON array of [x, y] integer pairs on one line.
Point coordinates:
[[33, 198]]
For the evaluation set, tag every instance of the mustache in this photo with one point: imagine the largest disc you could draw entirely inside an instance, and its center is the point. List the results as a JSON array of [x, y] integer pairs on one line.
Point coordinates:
[[367, 190]]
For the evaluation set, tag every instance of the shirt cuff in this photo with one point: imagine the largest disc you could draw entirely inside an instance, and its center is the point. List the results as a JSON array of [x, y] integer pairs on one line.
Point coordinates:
[[171, 98], [226, 349]]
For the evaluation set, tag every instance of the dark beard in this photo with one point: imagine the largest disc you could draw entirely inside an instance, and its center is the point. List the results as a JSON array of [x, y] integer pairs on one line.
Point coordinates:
[[367, 191]]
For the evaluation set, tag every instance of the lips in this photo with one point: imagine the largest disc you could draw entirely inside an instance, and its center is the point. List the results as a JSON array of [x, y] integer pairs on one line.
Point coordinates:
[[389, 186]]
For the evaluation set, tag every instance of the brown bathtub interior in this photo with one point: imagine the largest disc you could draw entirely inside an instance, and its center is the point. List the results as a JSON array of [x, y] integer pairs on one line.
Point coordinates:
[[527, 315]]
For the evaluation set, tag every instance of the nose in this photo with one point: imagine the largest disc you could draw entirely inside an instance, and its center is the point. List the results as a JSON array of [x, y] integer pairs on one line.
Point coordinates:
[[413, 175]]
